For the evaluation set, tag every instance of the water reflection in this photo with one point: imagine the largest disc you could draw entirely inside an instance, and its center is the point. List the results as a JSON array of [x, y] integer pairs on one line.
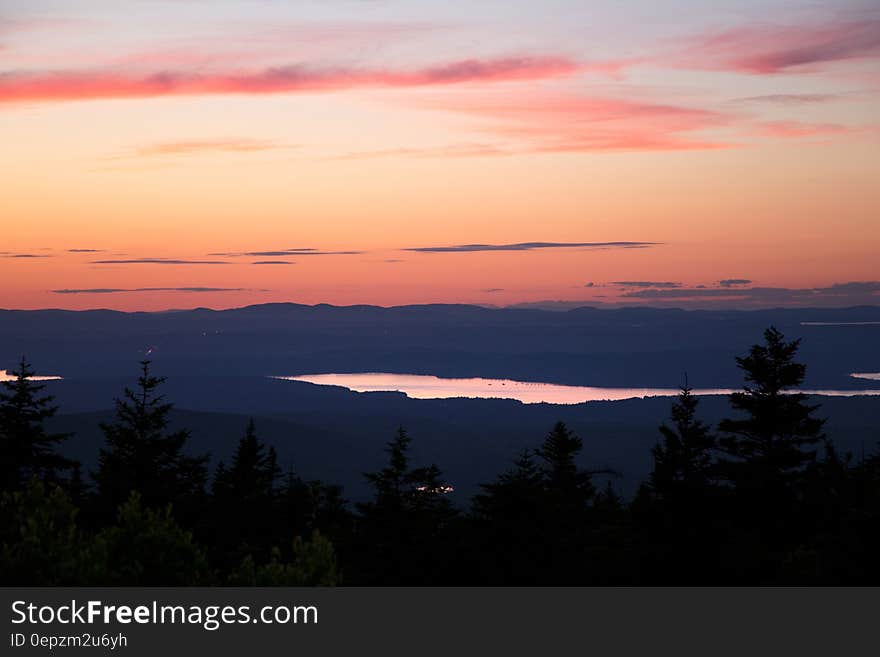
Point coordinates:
[[421, 386], [6, 376]]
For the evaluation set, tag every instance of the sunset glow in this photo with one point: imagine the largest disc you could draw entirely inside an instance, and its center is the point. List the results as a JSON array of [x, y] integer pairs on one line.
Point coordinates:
[[162, 155]]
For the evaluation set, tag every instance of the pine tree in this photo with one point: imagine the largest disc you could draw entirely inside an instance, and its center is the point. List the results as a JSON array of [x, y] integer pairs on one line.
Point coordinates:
[[399, 488], [568, 515], [608, 502], [253, 473], [773, 444], [510, 526], [683, 464], [147, 547], [560, 472], [402, 528], [768, 452], [26, 448], [245, 496], [141, 455], [676, 510], [513, 494], [392, 484], [313, 563], [41, 543]]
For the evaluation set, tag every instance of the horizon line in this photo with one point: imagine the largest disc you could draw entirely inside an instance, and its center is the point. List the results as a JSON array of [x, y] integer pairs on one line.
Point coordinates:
[[520, 305]]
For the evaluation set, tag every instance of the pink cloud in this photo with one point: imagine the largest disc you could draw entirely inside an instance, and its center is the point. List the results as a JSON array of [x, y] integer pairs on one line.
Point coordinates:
[[799, 129], [226, 144], [551, 122], [769, 49], [185, 147], [71, 85], [449, 151]]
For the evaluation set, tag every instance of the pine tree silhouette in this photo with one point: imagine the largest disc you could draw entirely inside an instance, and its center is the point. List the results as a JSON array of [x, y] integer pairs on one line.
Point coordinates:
[[26, 448], [141, 455], [510, 526], [253, 473], [561, 474], [147, 547], [245, 497], [765, 458], [568, 496], [41, 543], [774, 443], [402, 528], [683, 462], [677, 509]]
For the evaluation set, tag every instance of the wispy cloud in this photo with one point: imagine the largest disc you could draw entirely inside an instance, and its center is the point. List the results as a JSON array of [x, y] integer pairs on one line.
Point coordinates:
[[530, 246], [218, 145], [799, 129], [789, 99], [452, 150], [158, 261], [85, 250], [64, 85], [117, 290], [731, 282], [284, 252], [24, 255], [771, 49], [661, 284], [273, 262], [853, 293], [546, 121]]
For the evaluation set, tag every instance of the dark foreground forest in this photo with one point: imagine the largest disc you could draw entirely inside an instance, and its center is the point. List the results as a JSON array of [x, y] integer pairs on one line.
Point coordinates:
[[764, 497]]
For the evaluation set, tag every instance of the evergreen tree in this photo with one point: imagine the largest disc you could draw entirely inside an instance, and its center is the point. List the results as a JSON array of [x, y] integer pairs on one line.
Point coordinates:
[[308, 506], [244, 500], [568, 496], [683, 464], [608, 502], [295, 503], [561, 475], [399, 488], [76, 487], [836, 550], [41, 543], [26, 448], [402, 528], [773, 444], [539, 516], [141, 455], [313, 563], [253, 473], [511, 495], [510, 523], [677, 510], [147, 547], [766, 454]]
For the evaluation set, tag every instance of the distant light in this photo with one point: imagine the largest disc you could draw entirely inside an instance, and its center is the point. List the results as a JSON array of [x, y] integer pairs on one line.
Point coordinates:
[[442, 490]]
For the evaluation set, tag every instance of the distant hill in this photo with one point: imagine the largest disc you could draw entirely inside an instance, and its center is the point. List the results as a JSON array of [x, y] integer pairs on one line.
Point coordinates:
[[586, 346]]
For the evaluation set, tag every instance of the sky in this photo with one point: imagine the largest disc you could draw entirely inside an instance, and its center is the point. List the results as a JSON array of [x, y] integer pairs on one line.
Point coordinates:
[[162, 154]]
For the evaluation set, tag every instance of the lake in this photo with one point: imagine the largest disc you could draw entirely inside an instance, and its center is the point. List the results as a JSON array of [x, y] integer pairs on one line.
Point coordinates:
[[6, 376], [420, 386]]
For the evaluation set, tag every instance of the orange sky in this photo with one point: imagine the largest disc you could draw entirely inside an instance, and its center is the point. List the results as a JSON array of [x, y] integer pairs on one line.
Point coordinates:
[[737, 145]]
